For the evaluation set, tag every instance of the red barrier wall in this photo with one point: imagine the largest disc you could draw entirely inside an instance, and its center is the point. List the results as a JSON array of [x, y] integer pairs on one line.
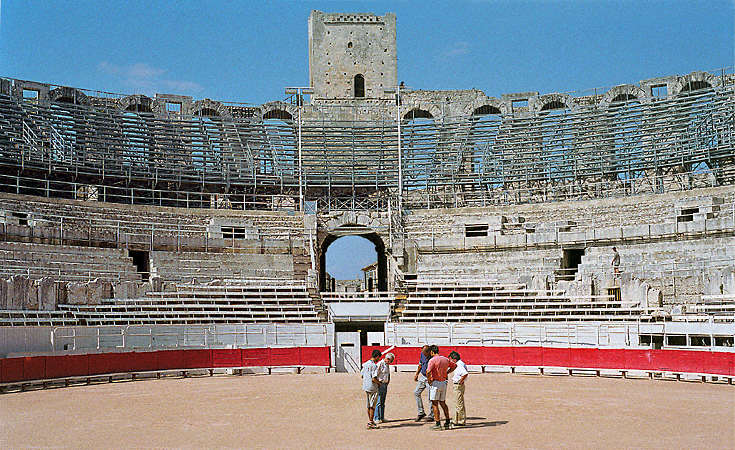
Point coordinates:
[[683, 361], [314, 356], [227, 358], [256, 357], [47, 367]]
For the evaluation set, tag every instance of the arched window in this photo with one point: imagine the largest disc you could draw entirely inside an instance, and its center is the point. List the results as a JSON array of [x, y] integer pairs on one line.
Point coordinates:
[[359, 86], [696, 86], [277, 155], [556, 132], [485, 161], [419, 139]]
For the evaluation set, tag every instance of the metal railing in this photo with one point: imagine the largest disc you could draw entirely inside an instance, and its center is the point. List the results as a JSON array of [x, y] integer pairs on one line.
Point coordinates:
[[123, 337], [453, 162]]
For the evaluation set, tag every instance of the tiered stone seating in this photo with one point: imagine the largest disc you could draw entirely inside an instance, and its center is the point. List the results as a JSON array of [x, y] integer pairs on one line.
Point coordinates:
[[36, 318], [677, 270], [467, 302], [203, 267], [501, 267], [244, 301], [721, 305], [143, 225], [65, 262]]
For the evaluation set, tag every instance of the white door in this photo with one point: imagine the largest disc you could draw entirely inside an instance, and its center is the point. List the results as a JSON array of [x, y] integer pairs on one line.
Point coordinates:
[[347, 352]]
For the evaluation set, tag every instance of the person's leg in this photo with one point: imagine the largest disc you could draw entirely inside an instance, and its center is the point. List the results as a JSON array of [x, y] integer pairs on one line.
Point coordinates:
[[382, 402], [445, 408], [420, 386], [435, 409], [431, 414], [380, 407], [371, 400], [460, 416]]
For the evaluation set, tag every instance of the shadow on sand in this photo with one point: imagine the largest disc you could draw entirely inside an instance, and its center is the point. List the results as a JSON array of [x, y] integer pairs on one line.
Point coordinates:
[[401, 423]]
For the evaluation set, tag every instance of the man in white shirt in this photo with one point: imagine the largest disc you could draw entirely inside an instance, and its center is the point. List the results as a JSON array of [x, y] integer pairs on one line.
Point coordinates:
[[384, 378], [460, 375]]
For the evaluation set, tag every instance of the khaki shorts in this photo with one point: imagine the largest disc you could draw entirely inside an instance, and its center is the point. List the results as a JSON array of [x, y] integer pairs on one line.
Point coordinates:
[[372, 399]]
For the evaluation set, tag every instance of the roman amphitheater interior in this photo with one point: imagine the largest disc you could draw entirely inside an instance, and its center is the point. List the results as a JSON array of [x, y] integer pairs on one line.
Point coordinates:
[[169, 211]]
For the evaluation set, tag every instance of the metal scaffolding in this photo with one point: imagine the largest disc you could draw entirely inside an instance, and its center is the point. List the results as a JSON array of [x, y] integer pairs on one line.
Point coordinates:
[[209, 160]]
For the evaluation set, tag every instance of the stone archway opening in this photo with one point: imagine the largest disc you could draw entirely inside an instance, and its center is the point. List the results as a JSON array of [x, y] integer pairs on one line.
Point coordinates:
[[380, 281]]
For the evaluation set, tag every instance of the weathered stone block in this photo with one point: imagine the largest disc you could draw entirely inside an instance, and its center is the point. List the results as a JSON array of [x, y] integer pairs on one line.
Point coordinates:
[[663, 229], [46, 288], [76, 293], [4, 294], [540, 238], [635, 231], [690, 227], [98, 289], [19, 292], [572, 236], [609, 233], [510, 240]]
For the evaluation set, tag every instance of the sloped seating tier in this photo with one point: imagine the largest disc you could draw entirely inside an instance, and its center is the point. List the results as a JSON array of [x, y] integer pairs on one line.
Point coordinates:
[[715, 304], [495, 267], [65, 263], [203, 266], [246, 302], [128, 224], [426, 225], [502, 302], [680, 270], [36, 318]]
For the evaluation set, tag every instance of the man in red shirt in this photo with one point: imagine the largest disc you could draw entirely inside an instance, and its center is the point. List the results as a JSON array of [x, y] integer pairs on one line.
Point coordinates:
[[436, 374]]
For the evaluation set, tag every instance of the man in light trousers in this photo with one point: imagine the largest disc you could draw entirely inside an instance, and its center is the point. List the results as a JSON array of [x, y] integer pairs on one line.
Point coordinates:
[[420, 378], [460, 375]]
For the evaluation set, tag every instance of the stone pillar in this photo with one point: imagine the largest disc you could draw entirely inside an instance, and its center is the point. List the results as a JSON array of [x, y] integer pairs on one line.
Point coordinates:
[[46, 289], [3, 294]]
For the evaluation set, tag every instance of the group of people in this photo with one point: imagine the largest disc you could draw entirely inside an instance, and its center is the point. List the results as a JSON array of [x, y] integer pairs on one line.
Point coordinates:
[[433, 372]]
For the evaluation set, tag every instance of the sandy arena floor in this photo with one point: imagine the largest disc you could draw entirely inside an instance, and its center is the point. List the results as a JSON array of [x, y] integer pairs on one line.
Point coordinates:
[[327, 410]]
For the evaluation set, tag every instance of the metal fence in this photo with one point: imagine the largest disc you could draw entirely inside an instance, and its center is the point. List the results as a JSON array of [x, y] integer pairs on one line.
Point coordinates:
[[159, 337], [210, 162]]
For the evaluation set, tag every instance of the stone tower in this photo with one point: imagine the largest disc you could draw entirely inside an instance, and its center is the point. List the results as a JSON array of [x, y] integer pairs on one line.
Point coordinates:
[[352, 55]]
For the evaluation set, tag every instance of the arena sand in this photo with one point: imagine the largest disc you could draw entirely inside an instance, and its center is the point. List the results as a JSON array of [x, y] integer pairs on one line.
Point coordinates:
[[328, 411]]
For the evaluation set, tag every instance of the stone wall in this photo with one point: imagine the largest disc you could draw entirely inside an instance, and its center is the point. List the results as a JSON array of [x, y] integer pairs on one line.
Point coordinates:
[[563, 216], [22, 293]]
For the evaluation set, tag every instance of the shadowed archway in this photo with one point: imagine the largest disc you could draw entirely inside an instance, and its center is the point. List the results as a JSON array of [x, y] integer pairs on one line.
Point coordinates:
[[363, 232]]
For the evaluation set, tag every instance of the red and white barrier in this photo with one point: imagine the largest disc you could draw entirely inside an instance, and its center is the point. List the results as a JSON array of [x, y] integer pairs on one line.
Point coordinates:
[[678, 361], [29, 368]]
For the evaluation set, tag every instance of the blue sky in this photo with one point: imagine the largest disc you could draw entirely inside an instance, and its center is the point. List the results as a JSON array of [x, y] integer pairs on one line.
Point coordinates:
[[248, 51]]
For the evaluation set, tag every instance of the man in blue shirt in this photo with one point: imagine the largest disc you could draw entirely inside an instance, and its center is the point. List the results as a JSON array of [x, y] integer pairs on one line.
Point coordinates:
[[420, 378]]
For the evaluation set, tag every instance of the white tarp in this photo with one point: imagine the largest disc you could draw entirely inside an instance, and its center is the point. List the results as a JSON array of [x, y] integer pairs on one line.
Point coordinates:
[[358, 311]]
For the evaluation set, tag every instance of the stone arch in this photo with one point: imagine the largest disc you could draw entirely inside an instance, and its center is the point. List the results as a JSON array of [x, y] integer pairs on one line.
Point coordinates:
[[695, 81], [485, 110], [209, 108], [418, 113], [277, 110], [136, 103], [550, 102], [353, 229], [624, 93], [68, 95], [483, 101]]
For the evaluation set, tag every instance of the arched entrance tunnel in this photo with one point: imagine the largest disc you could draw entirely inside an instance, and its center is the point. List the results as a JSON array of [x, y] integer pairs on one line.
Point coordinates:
[[354, 230]]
